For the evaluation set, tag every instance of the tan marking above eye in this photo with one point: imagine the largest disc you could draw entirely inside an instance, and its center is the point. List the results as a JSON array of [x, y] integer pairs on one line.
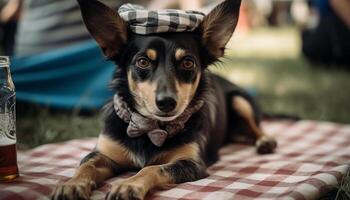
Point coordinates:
[[179, 53], [151, 54]]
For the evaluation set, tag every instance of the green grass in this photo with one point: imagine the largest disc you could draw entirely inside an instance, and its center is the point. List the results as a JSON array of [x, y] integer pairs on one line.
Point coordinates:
[[38, 125], [294, 87], [341, 192], [270, 62]]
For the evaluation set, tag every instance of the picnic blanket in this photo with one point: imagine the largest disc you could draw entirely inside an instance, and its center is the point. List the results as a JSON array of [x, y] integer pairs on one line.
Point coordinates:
[[311, 158]]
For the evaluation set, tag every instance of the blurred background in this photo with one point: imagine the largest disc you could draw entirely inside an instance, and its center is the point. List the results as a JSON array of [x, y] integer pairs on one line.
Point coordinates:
[[293, 56]]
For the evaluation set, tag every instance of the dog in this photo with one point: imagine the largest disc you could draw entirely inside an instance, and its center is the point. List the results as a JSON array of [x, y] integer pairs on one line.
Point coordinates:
[[162, 78]]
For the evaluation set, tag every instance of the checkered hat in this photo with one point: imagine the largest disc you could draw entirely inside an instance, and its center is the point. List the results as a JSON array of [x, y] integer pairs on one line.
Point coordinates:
[[142, 21]]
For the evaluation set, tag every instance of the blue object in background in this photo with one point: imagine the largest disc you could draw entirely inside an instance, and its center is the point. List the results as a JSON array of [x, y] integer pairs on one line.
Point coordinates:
[[76, 77], [322, 6]]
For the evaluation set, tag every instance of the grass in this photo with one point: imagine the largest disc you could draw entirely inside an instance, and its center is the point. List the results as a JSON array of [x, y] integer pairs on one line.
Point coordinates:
[[269, 61], [266, 61], [53, 126], [341, 192], [295, 88]]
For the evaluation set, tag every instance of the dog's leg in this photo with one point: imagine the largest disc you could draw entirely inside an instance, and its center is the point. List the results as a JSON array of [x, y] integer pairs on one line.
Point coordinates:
[[249, 124], [182, 165], [94, 169]]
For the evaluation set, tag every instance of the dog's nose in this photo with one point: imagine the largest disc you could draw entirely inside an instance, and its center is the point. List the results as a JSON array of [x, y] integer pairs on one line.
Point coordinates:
[[165, 103]]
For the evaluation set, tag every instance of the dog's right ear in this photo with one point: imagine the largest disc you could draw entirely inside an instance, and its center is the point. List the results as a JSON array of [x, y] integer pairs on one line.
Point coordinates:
[[104, 25]]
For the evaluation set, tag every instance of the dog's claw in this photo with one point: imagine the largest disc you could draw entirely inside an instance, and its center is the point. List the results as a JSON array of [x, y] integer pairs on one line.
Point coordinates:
[[266, 145], [72, 190], [125, 191]]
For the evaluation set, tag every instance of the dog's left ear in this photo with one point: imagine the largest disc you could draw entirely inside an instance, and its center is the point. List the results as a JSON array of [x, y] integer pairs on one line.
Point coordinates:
[[105, 26], [218, 26]]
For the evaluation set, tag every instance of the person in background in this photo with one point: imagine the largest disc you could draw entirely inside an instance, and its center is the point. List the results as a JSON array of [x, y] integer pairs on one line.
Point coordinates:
[[9, 15], [50, 24], [326, 33]]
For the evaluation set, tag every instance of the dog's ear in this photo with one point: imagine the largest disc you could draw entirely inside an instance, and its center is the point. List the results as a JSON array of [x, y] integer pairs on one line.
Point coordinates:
[[218, 26], [105, 26]]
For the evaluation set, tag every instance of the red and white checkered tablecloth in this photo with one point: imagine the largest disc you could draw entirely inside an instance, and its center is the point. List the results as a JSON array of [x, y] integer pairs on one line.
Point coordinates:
[[311, 158]]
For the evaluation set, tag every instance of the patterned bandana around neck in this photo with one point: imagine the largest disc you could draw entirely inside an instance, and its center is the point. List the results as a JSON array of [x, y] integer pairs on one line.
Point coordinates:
[[139, 125]]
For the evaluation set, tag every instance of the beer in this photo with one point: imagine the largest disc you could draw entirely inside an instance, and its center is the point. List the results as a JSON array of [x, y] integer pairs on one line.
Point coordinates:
[[8, 156]]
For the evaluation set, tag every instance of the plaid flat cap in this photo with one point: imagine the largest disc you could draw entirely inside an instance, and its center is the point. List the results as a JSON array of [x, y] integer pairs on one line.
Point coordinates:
[[142, 21]]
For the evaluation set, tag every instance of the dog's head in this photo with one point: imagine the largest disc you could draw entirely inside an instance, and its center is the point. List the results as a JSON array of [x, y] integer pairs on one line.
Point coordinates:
[[163, 71]]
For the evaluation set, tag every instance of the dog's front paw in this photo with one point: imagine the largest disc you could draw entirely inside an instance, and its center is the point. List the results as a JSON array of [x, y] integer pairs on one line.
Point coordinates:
[[126, 191], [265, 145], [73, 190]]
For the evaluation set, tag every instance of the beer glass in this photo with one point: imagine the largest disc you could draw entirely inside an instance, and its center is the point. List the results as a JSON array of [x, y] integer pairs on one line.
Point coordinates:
[[8, 156]]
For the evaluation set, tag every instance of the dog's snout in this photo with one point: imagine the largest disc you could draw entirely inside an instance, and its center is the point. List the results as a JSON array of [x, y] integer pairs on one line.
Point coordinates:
[[165, 103]]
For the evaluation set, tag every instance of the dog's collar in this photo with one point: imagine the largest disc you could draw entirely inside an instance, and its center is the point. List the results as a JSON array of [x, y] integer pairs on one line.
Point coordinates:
[[139, 125]]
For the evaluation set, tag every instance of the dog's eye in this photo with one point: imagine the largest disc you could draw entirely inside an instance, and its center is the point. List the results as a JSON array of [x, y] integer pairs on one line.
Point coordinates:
[[143, 63], [188, 63]]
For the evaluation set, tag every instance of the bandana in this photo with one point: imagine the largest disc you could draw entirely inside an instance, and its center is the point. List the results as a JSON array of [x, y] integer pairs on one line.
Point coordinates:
[[140, 125], [142, 21]]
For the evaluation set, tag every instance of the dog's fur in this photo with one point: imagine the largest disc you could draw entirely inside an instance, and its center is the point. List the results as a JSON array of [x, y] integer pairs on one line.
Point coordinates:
[[172, 65]]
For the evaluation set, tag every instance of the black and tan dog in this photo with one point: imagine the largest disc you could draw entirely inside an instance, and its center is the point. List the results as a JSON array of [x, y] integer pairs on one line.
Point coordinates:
[[160, 76]]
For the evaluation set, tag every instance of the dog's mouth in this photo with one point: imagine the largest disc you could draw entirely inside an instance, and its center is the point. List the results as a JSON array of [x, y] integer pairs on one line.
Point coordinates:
[[165, 116]]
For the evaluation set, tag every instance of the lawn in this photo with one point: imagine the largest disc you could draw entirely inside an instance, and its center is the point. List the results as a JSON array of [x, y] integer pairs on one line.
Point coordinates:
[[265, 61], [269, 61]]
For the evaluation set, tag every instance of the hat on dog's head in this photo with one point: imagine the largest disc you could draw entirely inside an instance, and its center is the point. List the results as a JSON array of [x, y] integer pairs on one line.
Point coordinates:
[[142, 21]]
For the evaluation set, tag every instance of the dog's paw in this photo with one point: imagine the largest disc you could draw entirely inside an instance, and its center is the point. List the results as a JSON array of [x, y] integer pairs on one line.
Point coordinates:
[[126, 191], [73, 190], [265, 145]]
